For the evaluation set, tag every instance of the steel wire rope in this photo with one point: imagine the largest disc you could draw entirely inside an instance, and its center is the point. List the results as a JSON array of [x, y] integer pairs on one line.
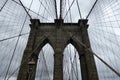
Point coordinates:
[[54, 7], [116, 21], [16, 59], [5, 56], [109, 41], [55, 3], [13, 37], [45, 63], [95, 48], [114, 31], [42, 52], [43, 14], [107, 34], [41, 67], [108, 57], [107, 8], [105, 76], [25, 8], [72, 62], [38, 10], [118, 74], [76, 63], [38, 67], [46, 9], [92, 8], [69, 9], [65, 60], [27, 57], [15, 48], [66, 67], [79, 9], [3, 5], [50, 8], [32, 11], [105, 52], [64, 7]]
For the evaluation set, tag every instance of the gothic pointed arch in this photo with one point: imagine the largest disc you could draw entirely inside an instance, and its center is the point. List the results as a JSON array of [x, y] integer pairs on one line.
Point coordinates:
[[40, 44], [71, 63], [76, 44], [29, 61], [45, 63], [58, 35]]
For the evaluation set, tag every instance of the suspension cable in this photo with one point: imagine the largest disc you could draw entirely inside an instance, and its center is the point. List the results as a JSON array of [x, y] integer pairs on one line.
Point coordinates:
[[94, 53], [3, 5], [76, 62], [70, 11], [55, 3], [27, 57], [15, 49], [50, 8], [45, 63], [79, 9], [61, 9], [69, 8], [72, 67], [45, 8], [99, 58], [31, 10], [13, 37], [92, 9], [25, 9]]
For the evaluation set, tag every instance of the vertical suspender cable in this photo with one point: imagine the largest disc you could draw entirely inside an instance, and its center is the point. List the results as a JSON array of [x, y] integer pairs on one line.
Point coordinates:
[[60, 9], [55, 9], [79, 9]]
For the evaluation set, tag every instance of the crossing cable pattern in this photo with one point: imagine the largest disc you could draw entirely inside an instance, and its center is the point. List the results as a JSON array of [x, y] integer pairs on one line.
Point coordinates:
[[13, 34], [71, 63], [39, 8], [99, 58], [14, 24], [15, 48], [3, 3], [38, 15], [72, 8], [104, 32], [45, 71]]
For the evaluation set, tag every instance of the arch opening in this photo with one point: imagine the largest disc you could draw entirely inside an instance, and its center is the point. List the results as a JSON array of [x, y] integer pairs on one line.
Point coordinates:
[[71, 63], [45, 63]]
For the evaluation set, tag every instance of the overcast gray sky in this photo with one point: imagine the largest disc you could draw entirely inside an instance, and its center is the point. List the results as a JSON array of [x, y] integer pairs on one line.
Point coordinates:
[[104, 32]]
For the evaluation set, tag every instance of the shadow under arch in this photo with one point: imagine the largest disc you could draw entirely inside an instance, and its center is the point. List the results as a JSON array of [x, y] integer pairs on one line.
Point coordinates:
[[71, 63]]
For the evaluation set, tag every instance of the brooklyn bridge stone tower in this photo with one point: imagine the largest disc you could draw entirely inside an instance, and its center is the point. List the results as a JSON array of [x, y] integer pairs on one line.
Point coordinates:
[[58, 35]]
